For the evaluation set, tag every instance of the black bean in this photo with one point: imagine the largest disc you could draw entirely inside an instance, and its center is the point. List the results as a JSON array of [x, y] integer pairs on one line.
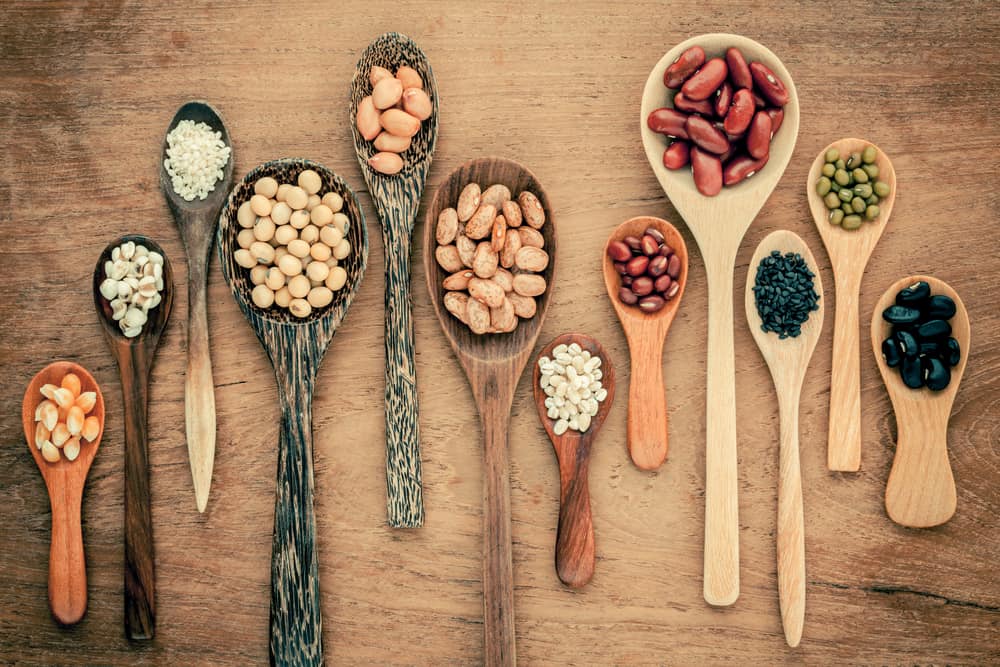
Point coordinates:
[[934, 329], [907, 344], [900, 315], [890, 351], [936, 374], [940, 307], [914, 296], [912, 373], [954, 354], [930, 348]]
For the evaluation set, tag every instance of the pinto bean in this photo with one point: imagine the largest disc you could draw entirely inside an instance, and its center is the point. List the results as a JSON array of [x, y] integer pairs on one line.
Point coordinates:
[[706, 80], [685, 65]]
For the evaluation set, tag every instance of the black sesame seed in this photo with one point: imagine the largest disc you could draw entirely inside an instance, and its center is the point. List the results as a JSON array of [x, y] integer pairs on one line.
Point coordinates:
[[784, 293]]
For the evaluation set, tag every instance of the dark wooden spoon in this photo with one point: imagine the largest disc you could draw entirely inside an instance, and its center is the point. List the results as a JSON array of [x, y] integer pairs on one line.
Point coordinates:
[[135, 360], [397, 199], [493, 364], [295, 348], [575, 539], [196, 221]]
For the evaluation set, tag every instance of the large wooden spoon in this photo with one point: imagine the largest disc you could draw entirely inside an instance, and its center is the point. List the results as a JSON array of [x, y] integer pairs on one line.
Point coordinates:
[[648, 430], [135, 361], [64, 480], [397, 198], [788, 359], [493, 364], [718, 224], [575, 538], [849, 251], [196, 221], [295, 348], [921, 488]]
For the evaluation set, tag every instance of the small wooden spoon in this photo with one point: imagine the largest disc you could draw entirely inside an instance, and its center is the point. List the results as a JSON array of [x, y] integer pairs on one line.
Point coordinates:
[[849, 251], [921, 489], [493, 364], [295, 348], [64, 480], [788, 360], [575, 539], [648, 431], [396, 200], [196, 221], [135, 360], [718, 224]]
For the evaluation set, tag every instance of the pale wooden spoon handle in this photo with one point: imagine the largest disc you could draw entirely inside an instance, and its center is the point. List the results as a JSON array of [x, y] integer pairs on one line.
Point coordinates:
[[67, 568], [921, 489], [844, 447], [791, 533], [199, 391]]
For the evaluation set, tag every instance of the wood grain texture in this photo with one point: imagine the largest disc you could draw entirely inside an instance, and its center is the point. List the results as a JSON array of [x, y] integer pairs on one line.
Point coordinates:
[[85, 92]]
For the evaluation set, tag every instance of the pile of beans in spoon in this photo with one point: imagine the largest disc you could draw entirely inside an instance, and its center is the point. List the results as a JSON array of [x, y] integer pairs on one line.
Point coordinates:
[[725, 113], [921, 345]]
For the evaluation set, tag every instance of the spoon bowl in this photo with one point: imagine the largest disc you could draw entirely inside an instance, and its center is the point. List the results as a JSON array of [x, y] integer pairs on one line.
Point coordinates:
[[718, 224], [64, 481], [575, 538], [648, 430], [788, 359], [196, 221], [920, 492], [849, 251]]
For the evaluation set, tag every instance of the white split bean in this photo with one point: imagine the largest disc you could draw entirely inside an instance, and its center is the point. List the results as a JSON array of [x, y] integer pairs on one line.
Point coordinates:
[[573, 393], [133, 284]]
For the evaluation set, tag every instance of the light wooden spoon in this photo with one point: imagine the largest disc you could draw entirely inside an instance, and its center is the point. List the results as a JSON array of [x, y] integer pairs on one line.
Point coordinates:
[[718, 224], [64, 480], [575, 539], [849, 251], [921, 488], [493, 364], [648, 431], [788, 360]]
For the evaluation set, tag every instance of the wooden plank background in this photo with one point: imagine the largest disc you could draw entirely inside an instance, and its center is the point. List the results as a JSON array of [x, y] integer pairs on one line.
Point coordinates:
[[86, 92]]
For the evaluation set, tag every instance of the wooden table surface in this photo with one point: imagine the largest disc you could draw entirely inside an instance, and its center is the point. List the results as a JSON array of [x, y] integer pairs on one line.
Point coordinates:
[[86, 92]]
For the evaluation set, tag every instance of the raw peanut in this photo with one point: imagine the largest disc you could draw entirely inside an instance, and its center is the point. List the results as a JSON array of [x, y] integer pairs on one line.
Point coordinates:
[[387, 92], [480, 224], [499, 233], [477, 316], [706, 80], [529, 284], [447, 227], [531, 237], [466, 249], [769, 85], [531, 259], [619, 252], [368, 119], [496, 194], [504, 279], [707, 172], [485, 261], [687, 105], [511, 213], [759, 135], [510, 247], [706, 135], [524, 306], [741, 167], [531, 209], [457, 303], [457, 281], [503, 317], [390, 142], [400, 123], [447, 257], [468, 201], [723, 98], [417, 103], [740, 112], [486, 291], [777, 117], [386, 163], [377, 74], [739, 72], [685, 65], [676, 155], [667, 121], [409, 77]]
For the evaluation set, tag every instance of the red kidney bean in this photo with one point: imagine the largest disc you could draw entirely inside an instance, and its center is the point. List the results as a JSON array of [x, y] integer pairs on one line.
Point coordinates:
[[723, 98], [642, 286], [706, 135], [662, 284], [649, 245], [619, 252], [626, 296], [741, 167], [739, 72], [706, 80], [769, 85], [674, 267], [777, 117], [740, 112], [707, 171], [620, 268], [676, 155], [683, 67], [759, 101], [682, 103], [632, 242], [759, 135], [652, 303], [655, 233], [667, 121], [728, 154], [657, 266], [637, 265]]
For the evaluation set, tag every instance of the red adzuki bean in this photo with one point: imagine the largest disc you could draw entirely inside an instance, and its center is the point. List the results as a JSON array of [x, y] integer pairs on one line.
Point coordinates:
[[759, 135], [657, 266], [739, 72], [676, 155], [642, 286], [626, 296], [685, 65], [706, 80], [619, 252], [637, 265], [662, 283]]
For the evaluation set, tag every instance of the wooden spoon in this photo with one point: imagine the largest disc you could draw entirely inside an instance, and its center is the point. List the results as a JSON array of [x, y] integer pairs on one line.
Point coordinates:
[[64, 480], [921, 489], [493, 364], [135, 360], [397, 199], [849, 251], [575, 539], [788, 360], [197, 221], [648, 432], [718, 224], [295, 348]]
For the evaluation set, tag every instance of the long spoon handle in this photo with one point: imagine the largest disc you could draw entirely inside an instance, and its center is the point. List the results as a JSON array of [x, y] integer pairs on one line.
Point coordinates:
[[844, 446], [199, 389], [67, 569], [722, 537], [575, 540], [404, 498], [791, 533], [647, 403]]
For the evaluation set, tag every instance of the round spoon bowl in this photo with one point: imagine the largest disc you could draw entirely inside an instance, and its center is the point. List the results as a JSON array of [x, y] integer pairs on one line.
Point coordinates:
[[157, 317]]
